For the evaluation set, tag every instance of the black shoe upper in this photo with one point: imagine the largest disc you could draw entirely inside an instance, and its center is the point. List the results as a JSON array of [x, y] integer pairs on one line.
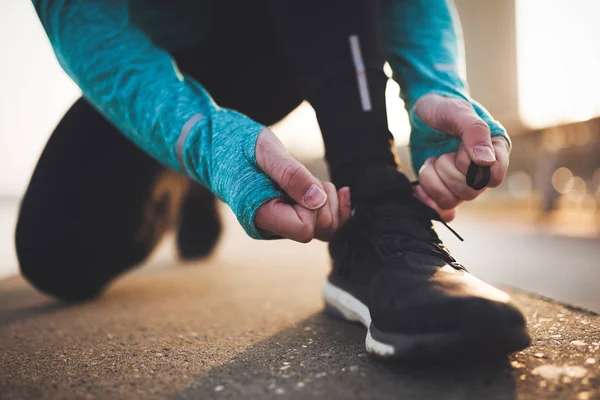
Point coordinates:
[[389, 256]]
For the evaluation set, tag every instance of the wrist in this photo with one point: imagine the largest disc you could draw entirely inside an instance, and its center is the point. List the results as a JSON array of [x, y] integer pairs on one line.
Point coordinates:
[[426, 142], [235, 176]]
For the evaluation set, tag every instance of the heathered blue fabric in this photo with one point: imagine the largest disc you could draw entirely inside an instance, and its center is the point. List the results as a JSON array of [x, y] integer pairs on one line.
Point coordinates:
[[421, 47], [137, 87]]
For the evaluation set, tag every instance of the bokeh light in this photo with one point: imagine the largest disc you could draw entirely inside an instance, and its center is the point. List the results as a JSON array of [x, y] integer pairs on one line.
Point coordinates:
[[519, 184], [562, 180], [577, 191]]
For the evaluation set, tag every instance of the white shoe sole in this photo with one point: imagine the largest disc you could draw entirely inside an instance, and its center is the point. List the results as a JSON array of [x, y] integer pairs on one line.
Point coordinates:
[[432, 345], [353, 309]]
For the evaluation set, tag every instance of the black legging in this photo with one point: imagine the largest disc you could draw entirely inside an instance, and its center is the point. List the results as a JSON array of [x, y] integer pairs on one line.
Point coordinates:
[[96, 205]]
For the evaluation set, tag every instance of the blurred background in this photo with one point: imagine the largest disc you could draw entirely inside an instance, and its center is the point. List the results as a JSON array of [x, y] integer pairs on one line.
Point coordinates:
[[533, 63]]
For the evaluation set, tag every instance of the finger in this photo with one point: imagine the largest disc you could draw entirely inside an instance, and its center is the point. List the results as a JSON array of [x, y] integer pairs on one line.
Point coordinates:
[[445, 166], [446, 215], [325, 220], [436, 189], [290, 221], [267, 233], [293, 177], [462, 160], [345, 204], [334, 204], [458, 118], [498, 170], [327, 217]]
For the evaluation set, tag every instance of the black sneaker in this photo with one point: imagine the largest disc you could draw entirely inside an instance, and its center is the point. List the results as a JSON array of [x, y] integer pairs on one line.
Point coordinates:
[[392, 273]]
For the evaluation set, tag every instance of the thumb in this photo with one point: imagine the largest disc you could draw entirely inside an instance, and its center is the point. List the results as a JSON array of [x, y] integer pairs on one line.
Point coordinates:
[[293, 177], [457, 117]]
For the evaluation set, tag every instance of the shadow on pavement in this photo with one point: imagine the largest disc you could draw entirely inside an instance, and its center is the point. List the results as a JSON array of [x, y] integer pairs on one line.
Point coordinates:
[[321, 357], [20, 303]]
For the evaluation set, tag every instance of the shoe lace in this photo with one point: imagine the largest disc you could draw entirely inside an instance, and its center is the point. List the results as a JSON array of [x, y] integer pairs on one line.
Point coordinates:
[[396, 241]]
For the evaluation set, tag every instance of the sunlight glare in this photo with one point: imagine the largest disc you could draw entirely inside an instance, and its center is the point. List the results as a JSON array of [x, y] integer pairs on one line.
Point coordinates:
[[558, 59]]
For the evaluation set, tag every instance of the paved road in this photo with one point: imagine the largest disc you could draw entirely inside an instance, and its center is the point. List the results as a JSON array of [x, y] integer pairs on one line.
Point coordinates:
[[529, 257], [248, 324]]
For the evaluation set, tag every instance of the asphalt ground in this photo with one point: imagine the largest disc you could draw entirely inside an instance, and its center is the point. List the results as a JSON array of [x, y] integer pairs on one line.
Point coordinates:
[[248, 323]]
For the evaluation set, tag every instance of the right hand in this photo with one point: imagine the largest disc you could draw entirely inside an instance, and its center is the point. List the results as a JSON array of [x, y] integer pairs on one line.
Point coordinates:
[[319, 209]]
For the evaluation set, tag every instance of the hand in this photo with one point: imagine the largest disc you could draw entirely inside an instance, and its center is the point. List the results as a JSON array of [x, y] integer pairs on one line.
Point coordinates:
[[443, 179], [319, 209]]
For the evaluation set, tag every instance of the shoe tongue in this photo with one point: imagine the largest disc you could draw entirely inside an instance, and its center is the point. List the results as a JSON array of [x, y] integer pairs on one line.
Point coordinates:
[[389, 193], [379, 181]]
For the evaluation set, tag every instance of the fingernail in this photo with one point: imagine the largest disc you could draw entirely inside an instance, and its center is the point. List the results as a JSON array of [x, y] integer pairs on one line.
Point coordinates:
[[314, 197], [484, 153], [425, 164]]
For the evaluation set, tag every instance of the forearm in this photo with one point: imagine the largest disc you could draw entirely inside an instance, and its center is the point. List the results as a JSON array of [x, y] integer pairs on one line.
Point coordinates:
[[137, 87], [422, 47], [133, 83]]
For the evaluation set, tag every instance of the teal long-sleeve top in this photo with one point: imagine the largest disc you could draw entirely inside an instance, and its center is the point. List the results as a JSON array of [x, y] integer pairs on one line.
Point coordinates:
[[115, 51], [421, 45]]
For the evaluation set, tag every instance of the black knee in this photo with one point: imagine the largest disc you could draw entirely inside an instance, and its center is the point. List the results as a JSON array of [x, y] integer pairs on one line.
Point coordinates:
[[199, 226], [59, 272]]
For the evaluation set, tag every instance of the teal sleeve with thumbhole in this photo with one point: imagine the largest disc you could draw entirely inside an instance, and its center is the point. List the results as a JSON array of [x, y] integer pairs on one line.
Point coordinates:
[[421, 45], [136, 85]]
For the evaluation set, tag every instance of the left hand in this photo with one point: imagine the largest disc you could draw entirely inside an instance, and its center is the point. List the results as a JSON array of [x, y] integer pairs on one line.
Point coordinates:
[[443, 179], [317, 209]]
